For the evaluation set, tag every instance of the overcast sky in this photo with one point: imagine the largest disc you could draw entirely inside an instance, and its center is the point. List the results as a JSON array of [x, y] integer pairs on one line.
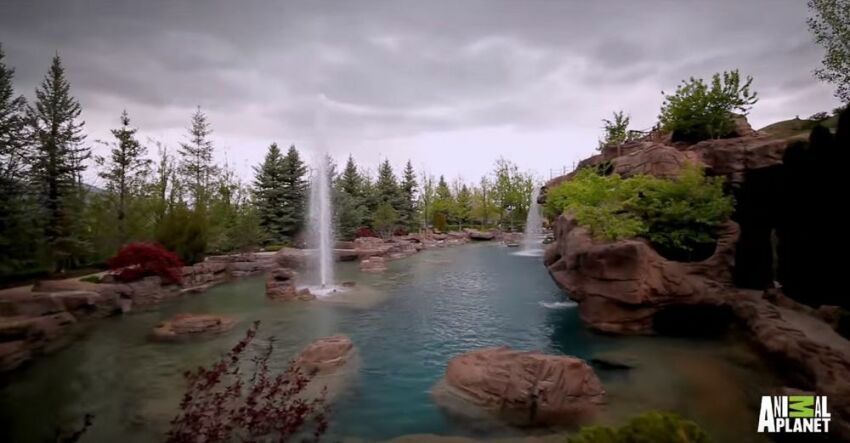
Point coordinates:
[[452, 85]]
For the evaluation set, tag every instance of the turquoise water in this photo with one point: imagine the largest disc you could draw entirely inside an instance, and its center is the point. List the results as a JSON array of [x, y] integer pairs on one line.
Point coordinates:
[[406, 323]]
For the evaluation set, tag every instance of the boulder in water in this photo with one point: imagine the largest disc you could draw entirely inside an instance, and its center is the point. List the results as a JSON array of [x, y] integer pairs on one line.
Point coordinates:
[[523, 388], [329, 363], [475, 234], [183, 326], [280, 285]]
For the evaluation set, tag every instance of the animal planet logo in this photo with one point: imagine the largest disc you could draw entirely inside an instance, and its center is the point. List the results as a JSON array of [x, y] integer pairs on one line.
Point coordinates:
[[794, 413]]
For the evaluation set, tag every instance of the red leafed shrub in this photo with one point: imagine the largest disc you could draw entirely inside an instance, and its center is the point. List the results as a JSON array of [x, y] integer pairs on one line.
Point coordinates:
[[400, 232], [365, 232], [226, 403], [137, 260]]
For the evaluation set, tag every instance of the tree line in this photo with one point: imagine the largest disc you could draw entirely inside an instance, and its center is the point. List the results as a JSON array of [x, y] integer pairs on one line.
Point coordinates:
[[51, 220]]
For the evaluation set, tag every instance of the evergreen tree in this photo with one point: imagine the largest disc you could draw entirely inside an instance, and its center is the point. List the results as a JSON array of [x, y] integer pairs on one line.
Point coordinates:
[[350, 181], [17, 210], [57, 164], [426, 200], [125, 171], [269, 195], [349, 207], [385, 219], [443, 202], [294, 185], [196, 160], [386, 186], [463, 206], [407, 210]]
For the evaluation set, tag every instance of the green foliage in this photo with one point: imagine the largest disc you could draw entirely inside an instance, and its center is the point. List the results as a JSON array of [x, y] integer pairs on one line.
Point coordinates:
[[408, 211], [615, 131], [20, 239], [830, 24], [295, 186], [185, 232], [56, 165], [196, 167], [462, 206], [125, 172], [699, 111], [440, 222], [511, 194], [650, 427], [385, 219], [678, 215]]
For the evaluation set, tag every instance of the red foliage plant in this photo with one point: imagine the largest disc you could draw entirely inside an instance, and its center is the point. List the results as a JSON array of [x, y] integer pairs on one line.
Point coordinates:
[[365, 232], [137, 260], [221, 404]]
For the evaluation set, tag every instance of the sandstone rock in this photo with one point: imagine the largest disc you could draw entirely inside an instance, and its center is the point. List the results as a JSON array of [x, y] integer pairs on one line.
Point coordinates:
[[620, 286], [280, 285], [346, 254], [654, 159], [330, 363], [524, 388], [325, 355], [290, 258], [304, 294], [373, 264], [183, 326], [732, 157], [475, 234]]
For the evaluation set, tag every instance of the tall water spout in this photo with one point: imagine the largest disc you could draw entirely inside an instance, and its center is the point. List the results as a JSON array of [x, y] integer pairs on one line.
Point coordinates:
[[321, 220], [532, 240]]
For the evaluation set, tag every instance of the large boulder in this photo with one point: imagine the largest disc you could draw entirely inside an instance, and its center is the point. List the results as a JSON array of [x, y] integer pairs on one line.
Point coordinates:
[[620, 286], [291, 258], [183, 326], [733, 157], [523, 388], [477, 235], [654, 159], [329, 363]]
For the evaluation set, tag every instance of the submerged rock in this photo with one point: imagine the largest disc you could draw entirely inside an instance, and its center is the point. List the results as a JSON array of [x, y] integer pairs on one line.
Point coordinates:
[[329, 363], [183, 326], [475, 234], [523, 388], [373, 264]]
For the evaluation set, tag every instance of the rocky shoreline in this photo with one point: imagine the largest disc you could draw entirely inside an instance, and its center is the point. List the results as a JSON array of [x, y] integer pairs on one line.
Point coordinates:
[[626, 287], [41, 319]]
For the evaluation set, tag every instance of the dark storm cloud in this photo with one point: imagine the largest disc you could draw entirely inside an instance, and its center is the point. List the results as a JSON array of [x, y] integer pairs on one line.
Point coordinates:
[[402, 68]]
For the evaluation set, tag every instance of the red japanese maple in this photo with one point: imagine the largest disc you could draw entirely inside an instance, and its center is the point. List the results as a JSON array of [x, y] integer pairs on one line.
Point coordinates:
[[137, 260]]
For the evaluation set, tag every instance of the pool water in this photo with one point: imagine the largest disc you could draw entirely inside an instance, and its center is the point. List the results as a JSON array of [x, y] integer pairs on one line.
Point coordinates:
[[406, 324]]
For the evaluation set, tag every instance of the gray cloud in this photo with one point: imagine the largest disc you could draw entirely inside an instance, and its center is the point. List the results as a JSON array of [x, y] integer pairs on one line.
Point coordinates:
[[406, 72]]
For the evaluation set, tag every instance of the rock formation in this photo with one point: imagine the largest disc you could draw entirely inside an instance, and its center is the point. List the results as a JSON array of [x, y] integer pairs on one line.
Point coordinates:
[[184, 326], [523, 388], [280, 285], [330, 363], [41, 319], [620, 286], [373, 264]]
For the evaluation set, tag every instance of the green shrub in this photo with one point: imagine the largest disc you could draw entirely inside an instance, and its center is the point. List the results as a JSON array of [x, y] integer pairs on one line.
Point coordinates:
[[698, 111], [616, 131], [650, 427], [677, 215], [91, 279]]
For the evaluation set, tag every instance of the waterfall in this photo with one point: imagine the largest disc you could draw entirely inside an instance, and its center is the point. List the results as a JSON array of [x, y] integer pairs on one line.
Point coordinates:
[[533, 225], [321, 239]]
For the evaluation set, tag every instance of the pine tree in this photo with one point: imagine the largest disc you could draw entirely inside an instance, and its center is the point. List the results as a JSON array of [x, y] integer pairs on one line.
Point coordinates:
[[387, 186], [269, 194], [125, 171], [349, 201], [57, 163], [407, 210], [17, 210], [385, 219], [196, 160], [294, 185], [426, 200], [443, 202], [463, 206]]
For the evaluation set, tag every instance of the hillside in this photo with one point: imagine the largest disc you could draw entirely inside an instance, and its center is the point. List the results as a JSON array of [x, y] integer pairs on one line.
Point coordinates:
[[797, 127]]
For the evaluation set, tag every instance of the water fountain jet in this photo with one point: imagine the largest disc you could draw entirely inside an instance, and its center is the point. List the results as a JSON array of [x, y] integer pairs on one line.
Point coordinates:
[[532, 241]]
